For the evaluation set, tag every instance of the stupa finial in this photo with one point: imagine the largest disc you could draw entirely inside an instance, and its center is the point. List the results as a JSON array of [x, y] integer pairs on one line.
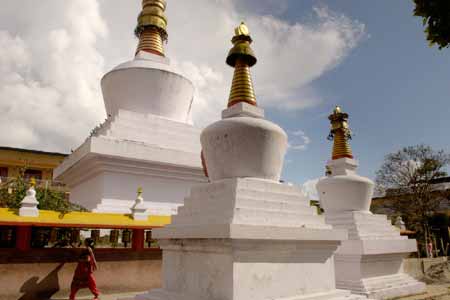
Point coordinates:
[[340, 133], [241, 57], [152, 27]]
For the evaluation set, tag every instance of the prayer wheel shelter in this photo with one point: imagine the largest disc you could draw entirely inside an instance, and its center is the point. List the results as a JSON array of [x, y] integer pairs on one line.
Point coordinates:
[[39, 254]]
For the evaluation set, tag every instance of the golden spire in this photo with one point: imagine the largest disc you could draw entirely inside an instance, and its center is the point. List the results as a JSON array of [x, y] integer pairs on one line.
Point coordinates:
[[341, 134], [32, 182], [241, 57], [140, 191], [152, 27]]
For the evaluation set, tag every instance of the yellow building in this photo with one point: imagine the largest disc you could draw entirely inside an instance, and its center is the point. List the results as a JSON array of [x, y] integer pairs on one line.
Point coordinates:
[[33, 163]]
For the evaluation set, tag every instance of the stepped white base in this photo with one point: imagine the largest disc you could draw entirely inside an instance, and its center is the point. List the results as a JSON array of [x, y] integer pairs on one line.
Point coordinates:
[[134, 150], [370, 262], [248, 239], [29, 212], [384, 287]]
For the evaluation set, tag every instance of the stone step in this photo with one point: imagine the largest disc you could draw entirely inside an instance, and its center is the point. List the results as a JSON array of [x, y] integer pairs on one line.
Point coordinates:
[[363, 229], [273, 204], [274, 216], [189, 209], [383, 284], [246, 216], [374, 237], [273, 196], [137, 120], [357, 218], [181, 132], [172, 139]]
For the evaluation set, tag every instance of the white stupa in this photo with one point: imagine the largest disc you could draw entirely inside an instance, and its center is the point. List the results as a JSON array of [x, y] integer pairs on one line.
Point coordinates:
[[245, 235], [147, 140], [370, 261]]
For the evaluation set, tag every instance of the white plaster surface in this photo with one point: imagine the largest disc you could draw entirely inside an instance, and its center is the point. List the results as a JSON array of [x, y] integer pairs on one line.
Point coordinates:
[[243, 144], [148, 84], [29, 204], [146, 141], [370, 261], [345, 190]]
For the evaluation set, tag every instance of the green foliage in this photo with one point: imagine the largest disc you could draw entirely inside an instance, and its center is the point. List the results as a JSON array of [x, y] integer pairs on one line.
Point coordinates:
[[13, 192], [407, 175], [436, 19]]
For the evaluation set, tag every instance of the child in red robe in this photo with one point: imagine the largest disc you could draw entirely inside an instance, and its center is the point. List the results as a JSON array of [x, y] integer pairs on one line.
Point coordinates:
[[84, 277]]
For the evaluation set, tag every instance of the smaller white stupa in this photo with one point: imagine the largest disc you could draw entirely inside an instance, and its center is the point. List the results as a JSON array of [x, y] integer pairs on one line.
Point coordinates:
[[147, 139], [245, 235], [370, 261], [139, 209], [29, 204]]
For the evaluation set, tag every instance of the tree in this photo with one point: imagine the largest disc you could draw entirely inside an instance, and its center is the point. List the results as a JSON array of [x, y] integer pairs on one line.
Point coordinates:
[[14, 190], [436, 19], [408, 175]]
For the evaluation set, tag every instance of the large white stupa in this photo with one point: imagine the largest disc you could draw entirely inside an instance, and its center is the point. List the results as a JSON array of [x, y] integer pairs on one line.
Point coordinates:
[[147, 140], [245, 235], [370, 261]]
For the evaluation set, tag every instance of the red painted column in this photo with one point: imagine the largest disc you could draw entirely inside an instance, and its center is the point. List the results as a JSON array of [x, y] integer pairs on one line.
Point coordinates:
[[138, 239], [23, 238]]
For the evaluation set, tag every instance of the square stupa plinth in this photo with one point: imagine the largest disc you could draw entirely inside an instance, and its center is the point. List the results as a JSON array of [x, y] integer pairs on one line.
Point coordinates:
[[248, 239]]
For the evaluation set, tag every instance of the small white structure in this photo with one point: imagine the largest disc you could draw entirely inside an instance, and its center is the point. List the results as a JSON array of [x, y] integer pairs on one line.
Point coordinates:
[[370, 261], [29, 204], [147, 139], [139, 209], [399, 223], [245, 235]]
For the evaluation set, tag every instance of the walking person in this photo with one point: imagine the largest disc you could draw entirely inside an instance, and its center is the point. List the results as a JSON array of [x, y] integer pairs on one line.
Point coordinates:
[[84, 273]]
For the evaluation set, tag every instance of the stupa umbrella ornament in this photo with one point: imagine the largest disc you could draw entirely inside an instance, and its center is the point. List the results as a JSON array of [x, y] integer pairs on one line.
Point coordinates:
[[152, 27], [241, 57], [370, 261], [340, 133]]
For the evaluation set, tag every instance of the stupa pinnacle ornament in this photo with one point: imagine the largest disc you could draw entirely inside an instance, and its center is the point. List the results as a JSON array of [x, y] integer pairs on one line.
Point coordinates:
[[340, 133], [241, 57], [152, 27]]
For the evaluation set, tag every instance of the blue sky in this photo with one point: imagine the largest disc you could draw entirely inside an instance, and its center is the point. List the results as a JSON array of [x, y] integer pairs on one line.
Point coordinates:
[[395, 88]]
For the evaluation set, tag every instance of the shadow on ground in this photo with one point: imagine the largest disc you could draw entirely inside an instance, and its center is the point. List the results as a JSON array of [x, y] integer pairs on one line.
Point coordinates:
[[33, 289]]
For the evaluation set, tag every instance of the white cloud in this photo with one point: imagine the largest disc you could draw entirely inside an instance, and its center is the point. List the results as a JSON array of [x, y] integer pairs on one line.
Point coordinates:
[[298, 140], [49, 78], [52, 57]]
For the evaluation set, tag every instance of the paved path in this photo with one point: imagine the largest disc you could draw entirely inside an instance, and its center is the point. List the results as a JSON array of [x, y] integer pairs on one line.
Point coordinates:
[[105, 297], [435, 292]]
